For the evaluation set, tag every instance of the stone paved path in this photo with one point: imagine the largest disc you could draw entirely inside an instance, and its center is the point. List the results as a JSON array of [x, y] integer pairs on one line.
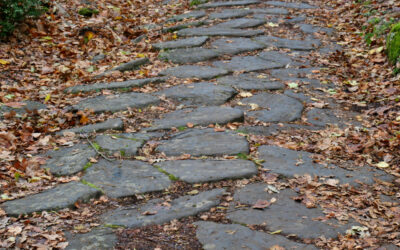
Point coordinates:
[[264, 77]]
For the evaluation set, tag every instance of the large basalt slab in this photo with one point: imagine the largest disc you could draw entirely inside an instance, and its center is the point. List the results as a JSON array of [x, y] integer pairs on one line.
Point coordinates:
[[270, 11], [247, 64], [193, 71], [114, 85], [159, 211], [24, 106], [62, 196], [117, 102], [236, 237], [250, 81], [114, 124], [241, 23], [288, 43], [196, 171], [202, 116], [288, 163], [182, 43], [290, 5], [199, 142], [98, 238], [229, 13], [311, 29], [203, 93], [126, 178], [322, 117], [132, 65], [191, 14], [234, 46], [68, 161], [190, 55], [276, 56], [115, 144], [218, 31], [227, 4], [285, 214], [273, 107]]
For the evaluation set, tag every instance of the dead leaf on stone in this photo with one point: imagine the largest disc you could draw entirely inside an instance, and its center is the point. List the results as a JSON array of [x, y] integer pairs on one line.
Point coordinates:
[[261, 204], [149, 213]]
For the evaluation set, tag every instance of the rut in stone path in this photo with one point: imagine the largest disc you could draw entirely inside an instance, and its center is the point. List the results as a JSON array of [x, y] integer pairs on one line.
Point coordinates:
[[242, 69]]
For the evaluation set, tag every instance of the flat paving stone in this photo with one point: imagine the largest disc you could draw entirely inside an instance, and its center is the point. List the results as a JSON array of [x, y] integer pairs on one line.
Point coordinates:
[[288, 163], [114, 124], [202, 116], [274, 107], [311, 29], [273, 129], [191, 14], [193, 71], [288, 43], [249, 81], [227, 4], [189, 55], [199, 142], [68, 161], [229, 13], [219, 31], [132, 65], [247, 64], [285, 214], [117, 102], [234, 46], [270, 11], [98, 238], [241, 23], [182, 26], [25, 105], [276, 56], [126, 178], [203, 93], [289, 74], [182, 43], [114, 85], [236, 237], [322, 117], [62, 196], [159, 212], [298, 95], [196, 171], [290, 5], [111, 144]]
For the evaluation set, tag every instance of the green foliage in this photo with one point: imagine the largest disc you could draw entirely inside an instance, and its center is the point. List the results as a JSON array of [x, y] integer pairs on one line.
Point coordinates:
[[377, 28], [196, 2], [87, 12], [13, 12], [393, 44]]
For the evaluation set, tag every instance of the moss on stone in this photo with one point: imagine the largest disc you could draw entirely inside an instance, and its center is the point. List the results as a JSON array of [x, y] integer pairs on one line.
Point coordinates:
[[87, 12], [393, 44]]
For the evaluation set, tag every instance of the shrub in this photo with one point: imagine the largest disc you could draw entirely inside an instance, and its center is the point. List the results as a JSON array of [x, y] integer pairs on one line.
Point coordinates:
[[13, 12], [393, 44]]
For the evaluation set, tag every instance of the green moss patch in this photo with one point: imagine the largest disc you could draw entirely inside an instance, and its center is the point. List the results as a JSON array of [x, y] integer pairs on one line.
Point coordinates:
[[393, 44]]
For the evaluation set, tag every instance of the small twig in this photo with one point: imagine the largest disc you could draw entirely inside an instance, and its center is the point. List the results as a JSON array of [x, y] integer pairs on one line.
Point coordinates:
[[94, 147]]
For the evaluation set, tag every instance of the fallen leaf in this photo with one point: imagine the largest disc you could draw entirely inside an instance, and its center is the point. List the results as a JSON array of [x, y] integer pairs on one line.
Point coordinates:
[[261, 204]]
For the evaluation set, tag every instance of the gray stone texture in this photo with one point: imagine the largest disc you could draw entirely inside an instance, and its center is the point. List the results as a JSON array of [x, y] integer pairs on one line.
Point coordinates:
[[200, 142], [247, 64], [114, 85], [182, 43], [285, 214], [202, 93], [196, 171], [273, 129], [249, 81], [191, 14], [111, 144], [288, 163], [218, 31], [270, 11], [159, 212], [114, 124], [126, 178], [189, 55], [132, 65], [276, 56], [274, 107], [68, 161], [202, 116], [241, 23], [194, 71], [28, 105], [288, 43], [62, 196], [227, 4], [98, 238], [229, 13], [117, 102], [215, 236], [310, 29], [290, 5], [234, 46]]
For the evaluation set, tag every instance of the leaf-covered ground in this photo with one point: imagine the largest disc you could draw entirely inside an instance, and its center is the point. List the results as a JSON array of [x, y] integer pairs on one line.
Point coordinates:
[[45, 56]]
